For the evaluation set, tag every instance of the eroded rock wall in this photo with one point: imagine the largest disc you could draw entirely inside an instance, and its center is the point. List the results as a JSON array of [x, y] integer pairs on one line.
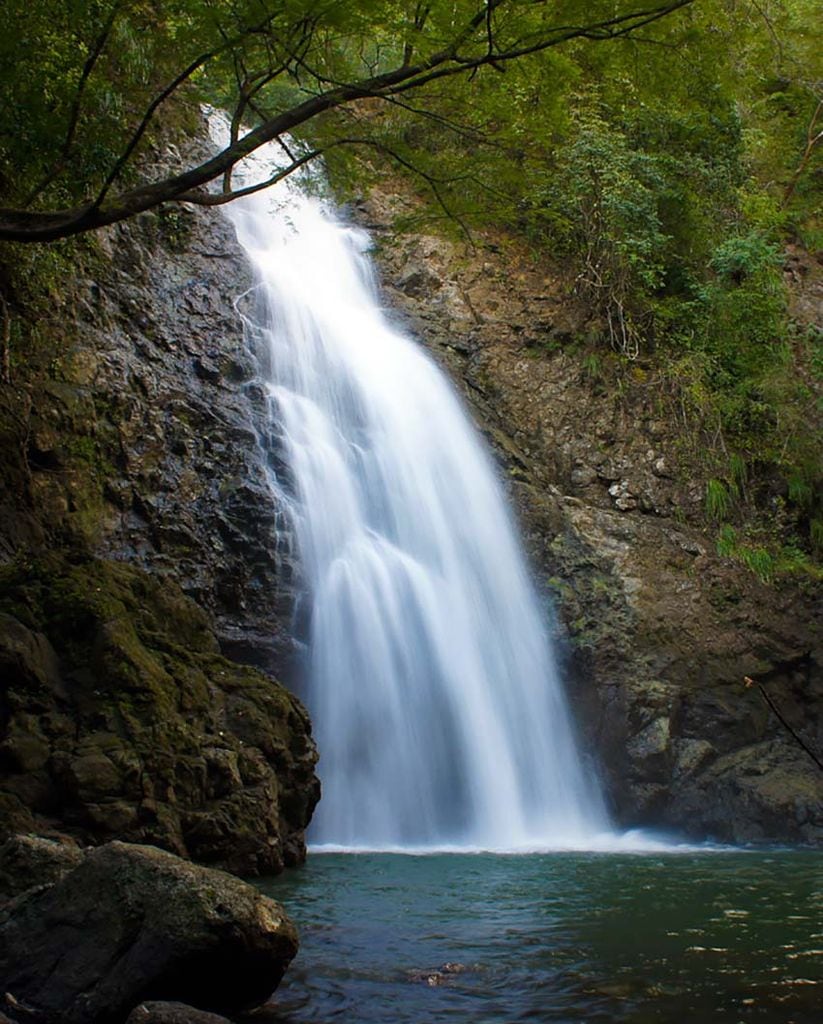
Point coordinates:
[[135, 433], [140, 546], [181, 407]]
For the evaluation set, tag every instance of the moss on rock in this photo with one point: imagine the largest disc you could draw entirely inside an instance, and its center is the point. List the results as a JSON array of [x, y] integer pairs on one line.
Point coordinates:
[[120, 719]]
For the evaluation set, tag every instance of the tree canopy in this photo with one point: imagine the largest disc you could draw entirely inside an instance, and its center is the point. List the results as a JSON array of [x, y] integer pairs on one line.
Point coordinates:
[[666, 152], [88, 81]]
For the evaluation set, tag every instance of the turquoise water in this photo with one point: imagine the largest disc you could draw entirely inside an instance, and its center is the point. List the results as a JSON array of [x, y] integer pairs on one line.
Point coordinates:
[[687, 937]]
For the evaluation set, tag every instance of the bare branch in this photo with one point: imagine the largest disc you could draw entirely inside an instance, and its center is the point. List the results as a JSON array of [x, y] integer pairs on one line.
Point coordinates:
[[748, 681], [814, 135], [433, 181], [226, 196], [465, 131], [778, 45], [421, 13], [5, 343], [161, 97], [250, 85], [133, 143]]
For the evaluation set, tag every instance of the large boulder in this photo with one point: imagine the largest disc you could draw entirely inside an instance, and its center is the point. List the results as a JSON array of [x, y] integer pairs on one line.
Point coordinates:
[[30, 861], [135, 923]]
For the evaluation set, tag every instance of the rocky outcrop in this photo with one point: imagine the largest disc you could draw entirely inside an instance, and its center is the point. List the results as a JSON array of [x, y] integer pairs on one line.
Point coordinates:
[[120, 719], [140, 547], [188, 496], [134, 424], [134, 923], [27, 861], [660, 633]]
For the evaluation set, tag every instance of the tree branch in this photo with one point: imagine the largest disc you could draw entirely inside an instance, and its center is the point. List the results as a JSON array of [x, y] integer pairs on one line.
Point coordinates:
[[748, 681], [161, 97], [5, 343], [30, 226], [96, 50], [226, 196], [814, 135]]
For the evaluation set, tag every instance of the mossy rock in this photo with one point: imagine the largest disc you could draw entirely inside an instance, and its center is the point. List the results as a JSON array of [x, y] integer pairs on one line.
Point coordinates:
[[120, 719]]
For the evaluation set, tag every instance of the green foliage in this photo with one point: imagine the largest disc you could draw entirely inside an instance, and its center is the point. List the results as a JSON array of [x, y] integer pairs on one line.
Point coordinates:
[[800, 490], [666, 169], [592, 366], [738, 471], [78, 76], [49, 142], [767, 558], [718, 499], [742, 257], [758, 560], [740, 321], [602, 205], [727, 541]]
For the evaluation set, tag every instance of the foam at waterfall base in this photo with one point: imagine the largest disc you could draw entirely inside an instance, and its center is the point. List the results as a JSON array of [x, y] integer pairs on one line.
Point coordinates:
[[639, 841]]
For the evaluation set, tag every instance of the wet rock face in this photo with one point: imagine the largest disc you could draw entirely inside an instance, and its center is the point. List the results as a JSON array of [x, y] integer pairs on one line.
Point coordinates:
[[662, 636], [143, 434], [181, 409], [120, 719], [134, 923], [136, 432], [657, 633]]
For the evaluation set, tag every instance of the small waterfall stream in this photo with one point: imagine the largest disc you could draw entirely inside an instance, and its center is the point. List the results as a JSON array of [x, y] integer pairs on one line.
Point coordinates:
[[437, 708]]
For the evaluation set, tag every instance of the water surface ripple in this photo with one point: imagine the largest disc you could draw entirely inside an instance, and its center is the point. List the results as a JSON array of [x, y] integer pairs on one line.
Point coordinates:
[[688, 937]]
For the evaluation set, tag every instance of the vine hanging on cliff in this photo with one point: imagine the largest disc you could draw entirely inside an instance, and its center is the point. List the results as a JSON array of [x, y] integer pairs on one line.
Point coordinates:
[[748, 681]]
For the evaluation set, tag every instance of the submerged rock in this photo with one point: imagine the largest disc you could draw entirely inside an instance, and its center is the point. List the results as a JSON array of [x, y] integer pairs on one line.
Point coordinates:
[[172, 1013], [435, 977], [135, 923]]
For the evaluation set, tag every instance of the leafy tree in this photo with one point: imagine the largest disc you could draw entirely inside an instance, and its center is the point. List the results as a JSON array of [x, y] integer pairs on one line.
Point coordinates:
[[88, 80], [604, 202], [667, 168]]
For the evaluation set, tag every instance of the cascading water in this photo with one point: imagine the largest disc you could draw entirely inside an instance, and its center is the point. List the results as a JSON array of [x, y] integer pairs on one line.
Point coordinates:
[[437, 709]]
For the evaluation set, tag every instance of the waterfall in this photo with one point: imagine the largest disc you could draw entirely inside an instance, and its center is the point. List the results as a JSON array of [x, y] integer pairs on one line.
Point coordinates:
[[436, 703]]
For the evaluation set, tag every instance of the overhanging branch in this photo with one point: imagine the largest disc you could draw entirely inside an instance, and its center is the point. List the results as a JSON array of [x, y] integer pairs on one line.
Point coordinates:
[[31, 226]]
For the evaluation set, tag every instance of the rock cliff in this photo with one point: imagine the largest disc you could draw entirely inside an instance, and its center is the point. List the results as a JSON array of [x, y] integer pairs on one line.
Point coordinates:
[[140, 549]]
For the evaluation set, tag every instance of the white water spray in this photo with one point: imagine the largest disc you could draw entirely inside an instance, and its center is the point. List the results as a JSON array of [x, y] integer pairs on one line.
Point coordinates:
[[437, 709]]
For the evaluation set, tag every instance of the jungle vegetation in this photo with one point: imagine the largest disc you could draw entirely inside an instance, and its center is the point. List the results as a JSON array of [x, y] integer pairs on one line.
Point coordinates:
[[669, 152]]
